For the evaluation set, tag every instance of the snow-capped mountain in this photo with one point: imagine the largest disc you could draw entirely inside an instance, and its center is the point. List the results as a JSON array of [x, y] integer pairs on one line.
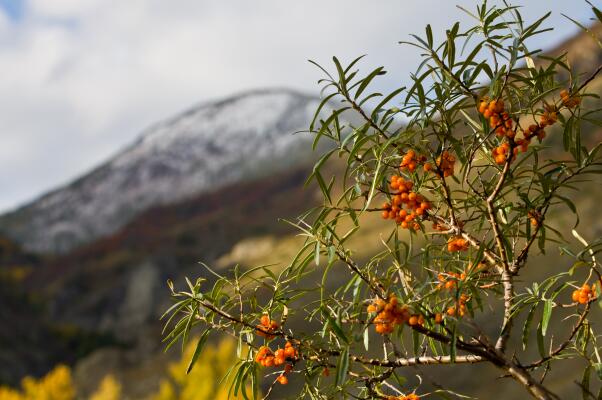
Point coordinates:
[[200, 150]]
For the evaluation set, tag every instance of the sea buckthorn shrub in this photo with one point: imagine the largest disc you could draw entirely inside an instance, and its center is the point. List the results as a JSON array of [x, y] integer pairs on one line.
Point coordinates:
[[464, 165]]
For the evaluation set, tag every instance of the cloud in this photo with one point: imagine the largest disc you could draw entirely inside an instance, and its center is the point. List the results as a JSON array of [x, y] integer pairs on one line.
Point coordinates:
[[81, 78]]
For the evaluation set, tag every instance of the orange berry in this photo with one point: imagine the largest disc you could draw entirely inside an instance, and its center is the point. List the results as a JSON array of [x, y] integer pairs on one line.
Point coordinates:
[[499, 106], [265, 320], [482, 106], [290, 352], [575, 295], [283, 380]]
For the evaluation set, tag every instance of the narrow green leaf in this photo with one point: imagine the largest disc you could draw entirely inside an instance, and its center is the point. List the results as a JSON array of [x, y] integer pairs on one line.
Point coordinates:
[[547, 313], [540, 344], [527, 327], [585, 382], [197, 351], [342, 367]]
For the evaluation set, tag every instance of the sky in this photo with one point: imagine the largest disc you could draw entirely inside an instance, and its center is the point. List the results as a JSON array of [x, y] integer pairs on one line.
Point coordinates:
[[80, 79]]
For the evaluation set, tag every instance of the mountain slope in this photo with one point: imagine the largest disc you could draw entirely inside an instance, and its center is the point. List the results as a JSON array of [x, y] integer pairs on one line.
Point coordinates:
[[200, 150], [90, 287]]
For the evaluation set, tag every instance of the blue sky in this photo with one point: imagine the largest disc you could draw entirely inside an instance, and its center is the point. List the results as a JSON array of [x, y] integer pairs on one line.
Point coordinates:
[[12, 8], [82, 78]]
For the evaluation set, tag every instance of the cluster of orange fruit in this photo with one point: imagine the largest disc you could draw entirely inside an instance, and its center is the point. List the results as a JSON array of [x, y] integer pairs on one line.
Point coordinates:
[[411, 396], [450, 280], [413, 202], [459, 309], [390, 313], [548, 118], [504, 127], [498, 118], [445, 162], [266, 326], [584, 295], [410, 161], [568, 100], [267, 358], [501, 153], [457, 243]]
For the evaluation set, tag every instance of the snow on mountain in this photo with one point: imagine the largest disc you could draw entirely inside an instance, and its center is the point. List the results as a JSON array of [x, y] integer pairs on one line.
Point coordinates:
[[200, 150]]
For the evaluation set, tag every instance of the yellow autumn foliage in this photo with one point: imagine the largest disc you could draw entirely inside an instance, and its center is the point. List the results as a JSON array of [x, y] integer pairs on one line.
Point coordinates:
[[55, 385], [58, 385], [109, 389], [203, 382]]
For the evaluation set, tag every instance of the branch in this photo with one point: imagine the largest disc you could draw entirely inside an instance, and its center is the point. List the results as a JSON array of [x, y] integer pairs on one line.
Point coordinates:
[[424, 360]]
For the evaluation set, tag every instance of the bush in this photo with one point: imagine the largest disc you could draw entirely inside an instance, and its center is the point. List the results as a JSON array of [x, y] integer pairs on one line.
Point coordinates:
[[468, 180], [56, 385], [202, 383]]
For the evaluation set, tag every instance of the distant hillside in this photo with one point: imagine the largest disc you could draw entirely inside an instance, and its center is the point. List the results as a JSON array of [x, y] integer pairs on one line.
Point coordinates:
[[116, 284], [200, 150], [583, 52], [31, 343]]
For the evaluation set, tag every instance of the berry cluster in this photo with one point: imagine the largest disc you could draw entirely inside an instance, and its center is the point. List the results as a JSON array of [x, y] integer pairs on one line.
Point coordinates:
[[584, 295], [460, 308], [498, 118], [416, 320], [500, 121], [266, 327], [445, 163], [501, 153], [457, 243], [450, 280], [414, 203], [410, 161], [548, 118], [267, 358], [568, 100], [389, 314]]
